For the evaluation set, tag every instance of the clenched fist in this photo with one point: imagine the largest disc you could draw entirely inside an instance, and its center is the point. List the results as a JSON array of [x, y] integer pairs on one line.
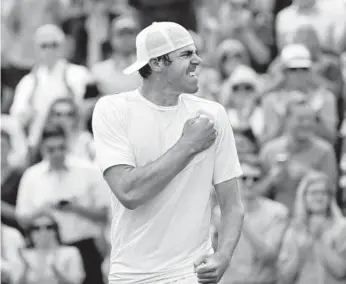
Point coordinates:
[[199, 133]]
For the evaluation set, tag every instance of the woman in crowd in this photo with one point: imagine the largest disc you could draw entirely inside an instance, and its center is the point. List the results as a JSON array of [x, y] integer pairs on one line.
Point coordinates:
[[46, 260], [65, 112], [314, 251]]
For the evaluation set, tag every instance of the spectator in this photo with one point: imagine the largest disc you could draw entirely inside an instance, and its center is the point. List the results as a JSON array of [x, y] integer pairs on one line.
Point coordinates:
[[288, 158], [314, 249], [265, 221], [326, 22], [229, 55], [247, 147], [10, 177], [240, 96], [209, 83], [74, 192], [52, 77], [65, 113], [298, 76], [20, 19], [48, 261], [109, 74], [237, 22]]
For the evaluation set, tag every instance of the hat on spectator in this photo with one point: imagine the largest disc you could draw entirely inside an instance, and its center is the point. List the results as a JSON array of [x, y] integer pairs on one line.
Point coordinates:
[[295, 56], [126, 22], [49, 32], [251, 170], [156, 40], [244, 75]]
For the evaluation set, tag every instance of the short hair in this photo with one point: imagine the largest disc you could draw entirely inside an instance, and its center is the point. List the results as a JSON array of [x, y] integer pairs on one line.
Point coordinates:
[[146, 70], [53, 131]]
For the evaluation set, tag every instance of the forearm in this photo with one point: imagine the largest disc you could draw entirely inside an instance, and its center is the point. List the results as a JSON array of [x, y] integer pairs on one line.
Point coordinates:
[[230, 230], [96, 215], [141, 184], [258, 50]]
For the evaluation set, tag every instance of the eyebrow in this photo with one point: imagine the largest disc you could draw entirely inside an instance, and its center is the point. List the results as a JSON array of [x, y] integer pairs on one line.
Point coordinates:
[[189, 51]]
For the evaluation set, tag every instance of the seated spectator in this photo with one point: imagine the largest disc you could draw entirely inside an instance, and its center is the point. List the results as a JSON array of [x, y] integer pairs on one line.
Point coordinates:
[[298, 76], [11, 242], [237, 22], [47, 260], [288, 158], [247, 147], [240, 97], [109, 74], [10, 177], [326, 22], [74, 192], [265, 221], [65, 113], [52, 77], [209, 83], [314, 249]]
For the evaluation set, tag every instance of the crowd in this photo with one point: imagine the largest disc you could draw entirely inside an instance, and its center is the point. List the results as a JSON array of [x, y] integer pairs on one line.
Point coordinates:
[[277, 66]]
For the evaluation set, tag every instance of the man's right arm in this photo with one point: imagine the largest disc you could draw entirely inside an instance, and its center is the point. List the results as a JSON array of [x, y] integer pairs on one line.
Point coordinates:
[[134, 186]]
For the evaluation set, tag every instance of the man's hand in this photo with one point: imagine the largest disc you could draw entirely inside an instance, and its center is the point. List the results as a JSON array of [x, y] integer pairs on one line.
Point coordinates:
[[199, 133], [210, 268]]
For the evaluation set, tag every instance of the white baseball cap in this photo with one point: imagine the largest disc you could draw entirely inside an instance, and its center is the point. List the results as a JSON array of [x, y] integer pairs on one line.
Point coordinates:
[[296, 56], [156, 40]]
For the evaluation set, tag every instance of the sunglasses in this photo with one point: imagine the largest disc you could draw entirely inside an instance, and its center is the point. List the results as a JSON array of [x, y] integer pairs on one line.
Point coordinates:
[[64, 113], [250, 178], [297, 69], [243, 87], [56, 149], [42, 227], [49, 45]]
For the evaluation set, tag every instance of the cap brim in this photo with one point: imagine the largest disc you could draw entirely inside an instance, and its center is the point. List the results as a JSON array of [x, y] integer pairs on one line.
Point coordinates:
[[134, 67]]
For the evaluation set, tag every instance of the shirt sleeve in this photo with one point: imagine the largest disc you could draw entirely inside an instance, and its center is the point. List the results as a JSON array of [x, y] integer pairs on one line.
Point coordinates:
[[227, 164], [112, 144], [25, 202]]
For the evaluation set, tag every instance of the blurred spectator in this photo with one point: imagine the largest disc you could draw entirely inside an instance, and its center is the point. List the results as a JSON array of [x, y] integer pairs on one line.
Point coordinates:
[[19, 22], [328, 23], [298, 76], [51, 78], [237, 21], [209, 83], [167, 11], [74, 192], [65, 113], [11, 242], [229, 55], [288, 158], [48, 261], [109, 74], [10, 177], [247, 147], [240, 97], [314, 249], [265, 222]]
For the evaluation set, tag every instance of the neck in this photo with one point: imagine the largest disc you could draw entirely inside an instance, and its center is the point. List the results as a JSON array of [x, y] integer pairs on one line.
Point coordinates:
[[158, 92], [57, 167], [296, 144]]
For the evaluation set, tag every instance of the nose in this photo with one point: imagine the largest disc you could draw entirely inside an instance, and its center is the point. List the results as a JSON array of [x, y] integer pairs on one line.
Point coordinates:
[[196, 60]]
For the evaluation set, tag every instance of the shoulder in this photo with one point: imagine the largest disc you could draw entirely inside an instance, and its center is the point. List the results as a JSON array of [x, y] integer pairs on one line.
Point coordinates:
[[322, 145], [276, 209], [68, 253], [78, 72], [286, 12], [77, 68], [274, 145], [99, 66], [36, 170], [195, 103], [26, 81]]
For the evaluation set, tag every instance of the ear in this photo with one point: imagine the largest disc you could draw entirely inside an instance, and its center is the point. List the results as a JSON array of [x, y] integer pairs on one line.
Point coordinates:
[[156, 65]]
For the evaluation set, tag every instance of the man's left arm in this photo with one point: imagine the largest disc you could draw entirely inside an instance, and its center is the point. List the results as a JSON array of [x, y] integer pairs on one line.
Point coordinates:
[[226, 171]]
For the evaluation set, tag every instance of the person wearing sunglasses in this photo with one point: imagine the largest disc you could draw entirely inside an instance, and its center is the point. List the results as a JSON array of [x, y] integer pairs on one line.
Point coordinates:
[[264, 225], [241, 100], [298, 76], [74, 192], [46, 259], [51, 77]]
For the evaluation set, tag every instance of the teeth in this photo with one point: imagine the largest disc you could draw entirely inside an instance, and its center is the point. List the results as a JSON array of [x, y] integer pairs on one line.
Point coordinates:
[[193, 73]]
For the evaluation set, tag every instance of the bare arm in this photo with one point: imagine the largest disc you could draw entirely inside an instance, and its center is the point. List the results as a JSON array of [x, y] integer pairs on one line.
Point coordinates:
[[232, 215], [134, 186]]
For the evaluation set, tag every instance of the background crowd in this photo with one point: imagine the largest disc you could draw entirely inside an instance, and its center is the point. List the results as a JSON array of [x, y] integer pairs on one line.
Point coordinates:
[[277, 66]]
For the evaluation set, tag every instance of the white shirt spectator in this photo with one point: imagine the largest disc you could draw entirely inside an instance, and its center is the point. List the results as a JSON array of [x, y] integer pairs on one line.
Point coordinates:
[[330, 24], [159, 241], [37, 90], [81, 183]]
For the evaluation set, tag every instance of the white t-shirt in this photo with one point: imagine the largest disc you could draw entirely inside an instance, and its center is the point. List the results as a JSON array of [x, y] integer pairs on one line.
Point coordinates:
[[159, 241]]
